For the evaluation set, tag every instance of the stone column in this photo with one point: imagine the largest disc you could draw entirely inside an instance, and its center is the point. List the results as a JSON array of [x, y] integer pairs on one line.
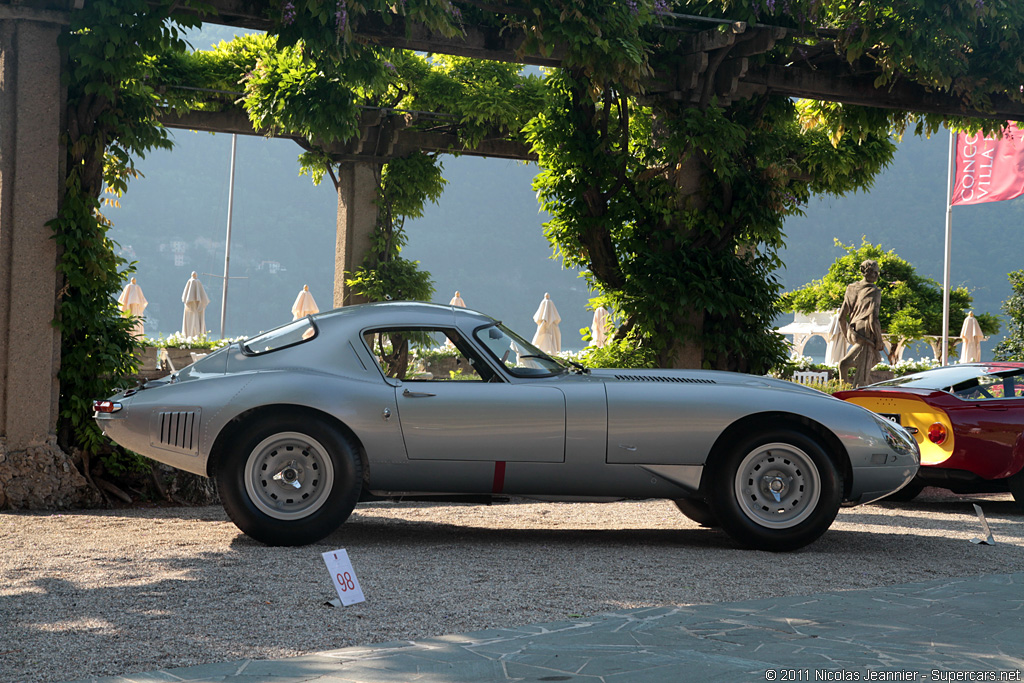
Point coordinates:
[[34, 473], [31, 161], [357, 216]]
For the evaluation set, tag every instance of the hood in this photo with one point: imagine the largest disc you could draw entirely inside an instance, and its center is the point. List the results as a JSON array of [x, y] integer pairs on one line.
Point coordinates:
[[705, 377]]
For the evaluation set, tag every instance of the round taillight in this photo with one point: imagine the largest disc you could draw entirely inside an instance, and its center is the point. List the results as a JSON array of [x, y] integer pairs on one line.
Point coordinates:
[[937, 433]]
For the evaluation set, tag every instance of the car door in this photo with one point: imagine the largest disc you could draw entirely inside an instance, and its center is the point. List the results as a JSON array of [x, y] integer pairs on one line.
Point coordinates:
[[464, 410], [465, 420]]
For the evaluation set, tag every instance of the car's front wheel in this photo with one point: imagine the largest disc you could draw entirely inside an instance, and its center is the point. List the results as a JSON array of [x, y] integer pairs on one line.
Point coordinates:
[[777, 490], [290, 480], [905, 494]]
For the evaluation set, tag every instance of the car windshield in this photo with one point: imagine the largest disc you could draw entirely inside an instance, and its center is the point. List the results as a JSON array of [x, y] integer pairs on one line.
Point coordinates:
[[967, 381], [293, 333], [520, 357]]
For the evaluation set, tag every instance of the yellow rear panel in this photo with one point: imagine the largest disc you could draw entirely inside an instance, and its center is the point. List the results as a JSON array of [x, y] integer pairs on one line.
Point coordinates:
[[914, 413]]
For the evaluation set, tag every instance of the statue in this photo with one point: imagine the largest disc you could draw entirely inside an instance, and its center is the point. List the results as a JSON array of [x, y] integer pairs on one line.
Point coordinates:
[[859, 322]]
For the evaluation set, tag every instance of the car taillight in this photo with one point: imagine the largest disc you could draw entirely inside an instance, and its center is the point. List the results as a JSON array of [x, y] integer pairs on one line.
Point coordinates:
[[106, 406], [937, 433]]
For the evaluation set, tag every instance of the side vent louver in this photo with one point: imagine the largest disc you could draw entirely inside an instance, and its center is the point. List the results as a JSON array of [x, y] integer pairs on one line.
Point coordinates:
[[658, 378], [179, 430]]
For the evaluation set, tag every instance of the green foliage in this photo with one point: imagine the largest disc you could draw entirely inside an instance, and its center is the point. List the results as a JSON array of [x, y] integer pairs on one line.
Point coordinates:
[[485, 98], [678, 223], [393, 280], [112, 104], [427, 354], [618, 353], [831, 386], [1012, 346], [911, 303]]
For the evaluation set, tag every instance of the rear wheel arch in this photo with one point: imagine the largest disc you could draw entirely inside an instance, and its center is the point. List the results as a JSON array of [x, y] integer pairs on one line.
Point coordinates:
[[247, 419], [742, 428]]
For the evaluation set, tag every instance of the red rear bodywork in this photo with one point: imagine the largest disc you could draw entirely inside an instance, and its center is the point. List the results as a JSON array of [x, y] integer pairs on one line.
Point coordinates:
[[987, 435]]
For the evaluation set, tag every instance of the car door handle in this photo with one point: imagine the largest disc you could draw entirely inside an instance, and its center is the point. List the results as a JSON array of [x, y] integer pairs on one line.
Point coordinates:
[[992, 408], [416, 394]]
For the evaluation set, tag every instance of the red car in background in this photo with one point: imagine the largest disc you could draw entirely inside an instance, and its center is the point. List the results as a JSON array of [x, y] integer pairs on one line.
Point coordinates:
[[968, 420]]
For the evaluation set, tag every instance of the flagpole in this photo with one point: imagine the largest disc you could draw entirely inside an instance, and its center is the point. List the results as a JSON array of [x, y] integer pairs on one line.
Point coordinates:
[[949, 247], [227, 239]]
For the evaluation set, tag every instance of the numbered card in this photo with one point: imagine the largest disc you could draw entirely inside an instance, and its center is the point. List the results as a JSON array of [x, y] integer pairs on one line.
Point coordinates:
[[344, 577]]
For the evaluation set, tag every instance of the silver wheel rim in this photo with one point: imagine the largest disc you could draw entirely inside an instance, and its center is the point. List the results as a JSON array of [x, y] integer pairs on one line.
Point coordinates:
[[289, 475], [777, 485]]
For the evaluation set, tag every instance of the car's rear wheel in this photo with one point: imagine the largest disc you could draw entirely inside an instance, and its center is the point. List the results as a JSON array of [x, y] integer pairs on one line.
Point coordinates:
[[1016, 484], [698, 510], [290, 480], [777, 490]]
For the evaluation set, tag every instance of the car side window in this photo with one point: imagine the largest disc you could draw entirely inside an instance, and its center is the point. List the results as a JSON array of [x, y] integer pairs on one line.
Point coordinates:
[[987, 387], [425, 355]]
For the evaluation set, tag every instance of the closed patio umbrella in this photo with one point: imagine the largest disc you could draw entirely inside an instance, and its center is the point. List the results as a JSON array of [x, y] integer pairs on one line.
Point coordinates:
[[193, 321], [548, 337], [835, 343], [456, 301], [599, 327], [972, 336], [304, 304], [134, 303]]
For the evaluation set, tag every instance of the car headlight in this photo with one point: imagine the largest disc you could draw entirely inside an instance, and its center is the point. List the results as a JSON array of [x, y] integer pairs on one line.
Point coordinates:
[[898, 438]]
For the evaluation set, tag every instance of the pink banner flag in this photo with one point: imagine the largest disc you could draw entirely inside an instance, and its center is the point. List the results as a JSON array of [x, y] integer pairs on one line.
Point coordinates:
[[989, 169]]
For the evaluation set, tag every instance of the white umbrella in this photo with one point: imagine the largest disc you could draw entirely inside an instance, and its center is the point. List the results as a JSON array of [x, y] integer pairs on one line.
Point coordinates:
[[599, 328], [835, 342], [304, 304], [193, 322], [134, 303], [972, 336], [456, 301], [548, 337]]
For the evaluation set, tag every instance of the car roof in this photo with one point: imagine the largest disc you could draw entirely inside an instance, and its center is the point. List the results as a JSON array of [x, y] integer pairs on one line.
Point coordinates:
[[402, 313]]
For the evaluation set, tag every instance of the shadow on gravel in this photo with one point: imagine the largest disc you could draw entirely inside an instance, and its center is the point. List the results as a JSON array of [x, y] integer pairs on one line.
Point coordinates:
[[167, 606]]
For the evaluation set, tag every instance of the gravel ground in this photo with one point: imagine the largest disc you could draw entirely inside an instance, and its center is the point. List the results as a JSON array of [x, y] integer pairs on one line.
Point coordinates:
[[102, 593]]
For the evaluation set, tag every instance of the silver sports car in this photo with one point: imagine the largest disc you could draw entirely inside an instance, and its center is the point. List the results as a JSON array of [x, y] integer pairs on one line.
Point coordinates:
[[299, 424]]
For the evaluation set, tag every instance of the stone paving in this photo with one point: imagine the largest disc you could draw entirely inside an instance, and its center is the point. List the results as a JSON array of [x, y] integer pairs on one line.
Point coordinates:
[[969, 629]]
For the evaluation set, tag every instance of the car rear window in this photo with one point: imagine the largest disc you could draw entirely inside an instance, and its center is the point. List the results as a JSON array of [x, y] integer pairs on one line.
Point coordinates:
[[293, 333]]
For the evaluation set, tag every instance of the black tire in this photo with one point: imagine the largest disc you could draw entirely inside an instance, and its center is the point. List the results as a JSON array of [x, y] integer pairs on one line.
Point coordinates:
[[289, 479], [1016, 485], [698, 510], [775, 490], [905, 494]]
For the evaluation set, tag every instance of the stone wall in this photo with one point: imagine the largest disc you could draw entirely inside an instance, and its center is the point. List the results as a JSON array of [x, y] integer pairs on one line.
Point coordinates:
[[42, 477]]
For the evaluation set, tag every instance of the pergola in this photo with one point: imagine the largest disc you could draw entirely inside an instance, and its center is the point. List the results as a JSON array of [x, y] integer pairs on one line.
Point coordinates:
[[709, 62]]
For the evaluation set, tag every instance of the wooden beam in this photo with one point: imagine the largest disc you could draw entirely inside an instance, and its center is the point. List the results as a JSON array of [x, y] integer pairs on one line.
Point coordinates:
[[379, 139], [829, 86], [705, 41], [479, 42]]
